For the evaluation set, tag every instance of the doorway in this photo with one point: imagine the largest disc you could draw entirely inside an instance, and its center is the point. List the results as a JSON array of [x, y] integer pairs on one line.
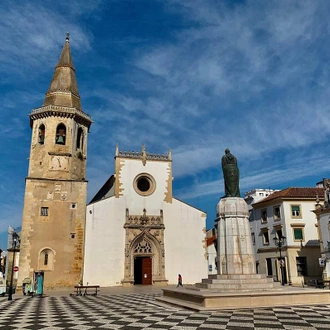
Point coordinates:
[[142, 270], [269, 267]]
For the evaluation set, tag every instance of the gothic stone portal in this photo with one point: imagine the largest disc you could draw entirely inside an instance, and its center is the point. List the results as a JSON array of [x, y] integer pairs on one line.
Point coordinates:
[[144, 249]]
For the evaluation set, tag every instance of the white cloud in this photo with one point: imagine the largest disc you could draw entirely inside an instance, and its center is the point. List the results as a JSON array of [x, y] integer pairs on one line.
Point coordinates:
[[308, 165], [32, 36]]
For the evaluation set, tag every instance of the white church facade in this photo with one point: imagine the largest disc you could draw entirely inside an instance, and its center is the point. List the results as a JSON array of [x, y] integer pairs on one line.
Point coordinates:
[[137, 232]]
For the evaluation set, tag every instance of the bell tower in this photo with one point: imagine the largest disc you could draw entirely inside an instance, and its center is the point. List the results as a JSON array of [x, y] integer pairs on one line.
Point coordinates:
[[53, 223]]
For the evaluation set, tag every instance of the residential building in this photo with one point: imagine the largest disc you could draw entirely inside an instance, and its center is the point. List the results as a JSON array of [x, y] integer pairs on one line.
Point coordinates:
[[255, 195], [288, 213], [322, 211], [251, 197]]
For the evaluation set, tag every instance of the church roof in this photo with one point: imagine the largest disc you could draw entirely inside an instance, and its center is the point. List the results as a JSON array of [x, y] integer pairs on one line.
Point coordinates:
[[63, 89], [106, 191], [211, 240]]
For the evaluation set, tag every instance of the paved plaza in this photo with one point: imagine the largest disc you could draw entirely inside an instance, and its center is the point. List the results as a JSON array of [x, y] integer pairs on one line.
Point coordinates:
[[139, 310]]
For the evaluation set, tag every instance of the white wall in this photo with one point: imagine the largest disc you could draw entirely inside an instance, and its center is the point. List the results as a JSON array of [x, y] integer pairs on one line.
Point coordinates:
[[184, 243], [105, 242], [308, 219], [135, 202]]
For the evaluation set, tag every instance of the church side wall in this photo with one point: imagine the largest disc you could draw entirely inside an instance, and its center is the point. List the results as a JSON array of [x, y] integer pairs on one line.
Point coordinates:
[[185, 245], [105, 243]]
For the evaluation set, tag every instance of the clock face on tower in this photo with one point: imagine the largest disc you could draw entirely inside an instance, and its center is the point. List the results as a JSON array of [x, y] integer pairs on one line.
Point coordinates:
[[59, 163]]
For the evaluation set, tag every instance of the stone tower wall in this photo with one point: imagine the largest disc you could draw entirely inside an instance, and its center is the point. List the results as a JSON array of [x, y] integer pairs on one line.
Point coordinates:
[[61, 232]]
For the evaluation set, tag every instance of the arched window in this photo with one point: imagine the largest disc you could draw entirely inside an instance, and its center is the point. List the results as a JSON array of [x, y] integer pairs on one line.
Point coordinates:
[[41, 139], [80, 138], [46, 259], [60, 134]]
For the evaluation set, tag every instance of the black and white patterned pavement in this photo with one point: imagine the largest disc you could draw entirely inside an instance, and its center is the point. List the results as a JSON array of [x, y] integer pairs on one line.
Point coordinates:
[[141, 311]]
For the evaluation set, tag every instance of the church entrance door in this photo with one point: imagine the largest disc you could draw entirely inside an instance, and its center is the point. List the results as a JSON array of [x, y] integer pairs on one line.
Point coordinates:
[[143, 270]]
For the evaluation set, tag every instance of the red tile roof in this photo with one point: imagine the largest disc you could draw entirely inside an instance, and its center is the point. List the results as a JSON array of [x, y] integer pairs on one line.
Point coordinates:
[[294, 193], [210, 240]]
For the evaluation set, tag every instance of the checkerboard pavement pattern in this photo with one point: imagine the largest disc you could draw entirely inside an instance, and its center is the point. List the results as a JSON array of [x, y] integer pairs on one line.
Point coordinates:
[[141, 311]]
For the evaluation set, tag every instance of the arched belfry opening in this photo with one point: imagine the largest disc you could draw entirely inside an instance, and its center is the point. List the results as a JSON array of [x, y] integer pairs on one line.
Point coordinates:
[[144, 249], [41, 134], [80, 139], [60, 134]]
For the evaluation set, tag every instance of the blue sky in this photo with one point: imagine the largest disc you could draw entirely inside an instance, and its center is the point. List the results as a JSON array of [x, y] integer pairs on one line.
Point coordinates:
[[193, 76]]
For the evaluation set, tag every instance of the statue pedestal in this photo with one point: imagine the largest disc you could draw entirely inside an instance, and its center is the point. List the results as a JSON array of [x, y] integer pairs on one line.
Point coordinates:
[[234, 244], [235, 255]]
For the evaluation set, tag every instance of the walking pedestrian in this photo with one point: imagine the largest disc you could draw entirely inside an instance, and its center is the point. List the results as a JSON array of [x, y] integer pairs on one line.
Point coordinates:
[[179, 281]]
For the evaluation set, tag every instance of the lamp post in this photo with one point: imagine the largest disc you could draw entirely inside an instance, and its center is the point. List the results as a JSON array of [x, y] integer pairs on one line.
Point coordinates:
[[1, 261], [14, 243], [279, 242]]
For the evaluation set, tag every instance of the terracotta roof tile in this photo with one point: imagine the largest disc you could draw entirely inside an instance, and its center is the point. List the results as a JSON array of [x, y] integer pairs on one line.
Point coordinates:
[[294, 193], [210, 240]]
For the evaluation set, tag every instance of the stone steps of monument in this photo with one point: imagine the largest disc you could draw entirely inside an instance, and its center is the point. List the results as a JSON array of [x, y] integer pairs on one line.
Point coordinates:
[[237, 276], [237, 286], [238, 281]]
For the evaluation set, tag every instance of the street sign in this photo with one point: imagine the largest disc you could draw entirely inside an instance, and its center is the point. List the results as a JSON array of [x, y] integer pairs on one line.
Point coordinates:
[[15, 268]]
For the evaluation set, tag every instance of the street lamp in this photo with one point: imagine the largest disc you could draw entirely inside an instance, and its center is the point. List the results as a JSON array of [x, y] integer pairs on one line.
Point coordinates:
[[279, 242], [1, 261], [14, 243]]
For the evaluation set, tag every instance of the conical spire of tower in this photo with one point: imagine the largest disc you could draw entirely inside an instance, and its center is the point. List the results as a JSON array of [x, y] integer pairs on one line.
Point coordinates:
[[63, 89]]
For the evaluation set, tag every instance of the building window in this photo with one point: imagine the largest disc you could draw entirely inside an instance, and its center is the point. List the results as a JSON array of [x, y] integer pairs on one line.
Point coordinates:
[[261, 194], [73, 206], [265, 237], [277, 213], [253, 238], [46, 259], [41, 137], [279, 233], [298, 234], [44, 211], [144, 184], [60, 134], [295, 211], [264, 216], [301, 266]]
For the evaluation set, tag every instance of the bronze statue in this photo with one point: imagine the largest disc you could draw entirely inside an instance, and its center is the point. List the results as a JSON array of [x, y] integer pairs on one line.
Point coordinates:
[[230, 174]]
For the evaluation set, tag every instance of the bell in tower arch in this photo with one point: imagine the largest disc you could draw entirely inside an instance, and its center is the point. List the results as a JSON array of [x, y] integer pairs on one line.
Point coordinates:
[[60, 134]]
